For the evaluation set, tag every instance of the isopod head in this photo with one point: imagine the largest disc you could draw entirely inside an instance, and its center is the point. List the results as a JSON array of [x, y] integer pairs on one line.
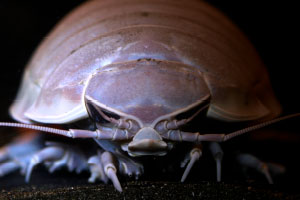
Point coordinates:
[[144, 94]]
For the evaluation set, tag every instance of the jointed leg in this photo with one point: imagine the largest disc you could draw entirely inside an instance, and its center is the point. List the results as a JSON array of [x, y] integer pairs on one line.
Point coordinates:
[[217, 153], [251, 161], [96, 169], [192, 157], [17, 154]]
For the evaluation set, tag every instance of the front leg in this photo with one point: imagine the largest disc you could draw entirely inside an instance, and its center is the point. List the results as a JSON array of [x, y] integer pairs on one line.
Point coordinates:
[[105, 165], [191, 158], [127, 166], [250, 161], [111, 160]]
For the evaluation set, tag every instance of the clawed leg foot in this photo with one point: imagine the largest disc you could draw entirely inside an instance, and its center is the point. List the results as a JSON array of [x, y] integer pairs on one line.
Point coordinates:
[[246, 160], [129, 167], [105, 165], [28, 151], [217, 153], [17, 154], [47, 154], [96, 169], [110, 169], [251, 161], [55, 156], [191, 158], [8, 167]]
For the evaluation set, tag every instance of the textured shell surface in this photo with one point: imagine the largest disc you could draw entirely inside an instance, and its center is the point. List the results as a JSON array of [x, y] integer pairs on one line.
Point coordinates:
[[101, 33]]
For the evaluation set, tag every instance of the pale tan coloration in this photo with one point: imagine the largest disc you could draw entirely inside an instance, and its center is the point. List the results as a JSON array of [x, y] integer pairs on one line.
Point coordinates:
[[101, 33], [138, 71]]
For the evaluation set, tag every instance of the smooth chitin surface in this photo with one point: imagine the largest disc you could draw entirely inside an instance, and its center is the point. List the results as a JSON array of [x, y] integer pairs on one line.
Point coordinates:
[[100, 33]]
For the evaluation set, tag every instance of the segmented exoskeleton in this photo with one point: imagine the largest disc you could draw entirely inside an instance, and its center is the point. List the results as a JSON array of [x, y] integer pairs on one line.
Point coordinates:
[[129, 68]]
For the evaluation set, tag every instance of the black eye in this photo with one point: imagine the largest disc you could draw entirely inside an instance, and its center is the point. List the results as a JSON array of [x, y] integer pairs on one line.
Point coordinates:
[[100, 115]]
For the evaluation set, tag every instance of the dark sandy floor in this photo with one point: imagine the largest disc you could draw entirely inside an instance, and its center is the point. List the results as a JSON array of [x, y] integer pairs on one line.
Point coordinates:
[[150, 190]]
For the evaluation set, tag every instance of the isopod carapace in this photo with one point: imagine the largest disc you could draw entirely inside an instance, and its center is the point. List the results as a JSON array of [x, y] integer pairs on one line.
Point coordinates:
[[129, 68]]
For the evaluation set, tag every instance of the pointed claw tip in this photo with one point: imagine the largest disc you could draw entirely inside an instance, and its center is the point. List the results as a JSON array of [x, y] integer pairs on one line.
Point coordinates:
[[119, 189], [187, 170], [111, 173], [183, 179], [27, 178], [184, 176], [265, 171], [28, 173], [91, 180]]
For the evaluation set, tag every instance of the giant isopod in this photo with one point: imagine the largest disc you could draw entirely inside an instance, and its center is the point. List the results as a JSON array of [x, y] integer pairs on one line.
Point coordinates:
[[129, 76]]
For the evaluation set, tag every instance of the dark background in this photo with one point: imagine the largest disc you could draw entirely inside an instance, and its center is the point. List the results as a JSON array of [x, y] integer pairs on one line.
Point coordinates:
[[271, 27]]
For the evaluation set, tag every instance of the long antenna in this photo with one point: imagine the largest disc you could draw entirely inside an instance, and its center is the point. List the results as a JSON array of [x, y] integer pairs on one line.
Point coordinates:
[[38, 128], [77, 133], [221, 137], [258, 126], [72, 133]]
